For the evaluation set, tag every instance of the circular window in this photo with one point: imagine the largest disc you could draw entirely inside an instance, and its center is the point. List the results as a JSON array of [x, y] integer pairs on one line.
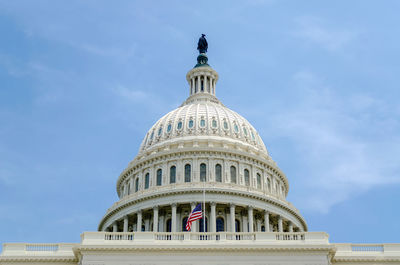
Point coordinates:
[[202, 123], [214, 123], [236, 128], [169, 127], [159, 131], [191, 124], [225, 125], [179, 125]]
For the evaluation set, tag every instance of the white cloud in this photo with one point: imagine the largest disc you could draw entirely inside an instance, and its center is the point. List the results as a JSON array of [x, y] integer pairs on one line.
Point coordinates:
[[313, 30], [345, 149]]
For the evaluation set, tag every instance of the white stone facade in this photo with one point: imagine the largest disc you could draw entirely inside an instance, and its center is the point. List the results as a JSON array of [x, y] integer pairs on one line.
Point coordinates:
[[202, 152]]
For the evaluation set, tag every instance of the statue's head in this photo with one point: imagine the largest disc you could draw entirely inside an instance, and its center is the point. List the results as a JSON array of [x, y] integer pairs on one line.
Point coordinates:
[[203, 35]]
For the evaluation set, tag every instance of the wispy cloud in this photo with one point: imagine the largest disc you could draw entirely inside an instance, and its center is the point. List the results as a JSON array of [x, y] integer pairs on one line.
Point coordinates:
[[333, 134], [129, 94], [315, 31]]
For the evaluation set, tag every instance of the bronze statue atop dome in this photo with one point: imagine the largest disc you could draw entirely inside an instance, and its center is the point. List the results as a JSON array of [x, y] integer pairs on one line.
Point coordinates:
[[202, 45]]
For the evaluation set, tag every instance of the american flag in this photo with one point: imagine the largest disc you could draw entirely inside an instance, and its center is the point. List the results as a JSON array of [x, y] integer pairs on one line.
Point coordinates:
[[196, 214]]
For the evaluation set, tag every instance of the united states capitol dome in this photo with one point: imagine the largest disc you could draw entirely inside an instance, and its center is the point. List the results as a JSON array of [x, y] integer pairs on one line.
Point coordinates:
[[202, 152]]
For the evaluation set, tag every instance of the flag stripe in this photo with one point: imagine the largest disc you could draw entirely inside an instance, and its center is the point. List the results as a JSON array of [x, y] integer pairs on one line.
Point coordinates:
[[196, 214]]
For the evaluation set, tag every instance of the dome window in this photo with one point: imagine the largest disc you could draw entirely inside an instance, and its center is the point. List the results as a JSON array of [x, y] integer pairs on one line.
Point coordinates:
[[191, 124], [179, 125], [247, 177], [245, 131], [169, 127], [188, 173], [233, 174], [202, 123], [225, 125], [159, 131], [258, 181], [214, 124], [236, 128], [152, 135], [218, 173], [172, 174], [203, 172], [159, 177], [252, 136]]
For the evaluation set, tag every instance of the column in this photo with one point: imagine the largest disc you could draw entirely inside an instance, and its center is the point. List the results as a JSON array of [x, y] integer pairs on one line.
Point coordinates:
[[125, 223], [205, 84], [146, 225], [250, 213], [290, 227], [266, 221], [213, 220], [194, 224], [161, 224], [232, 215], [155, 219], [198, 84], [173, 218], [115, 227], [258, 223], [280, 224], [139, 222]]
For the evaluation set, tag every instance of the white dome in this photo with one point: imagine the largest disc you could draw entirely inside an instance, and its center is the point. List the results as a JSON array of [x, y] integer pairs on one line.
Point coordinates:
[[199, 117]]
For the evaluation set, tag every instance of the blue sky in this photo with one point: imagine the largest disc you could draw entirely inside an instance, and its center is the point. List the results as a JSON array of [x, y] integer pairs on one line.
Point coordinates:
[[81, 82]]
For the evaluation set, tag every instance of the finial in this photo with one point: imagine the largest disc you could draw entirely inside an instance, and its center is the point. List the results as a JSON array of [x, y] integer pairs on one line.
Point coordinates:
[[202, 46]]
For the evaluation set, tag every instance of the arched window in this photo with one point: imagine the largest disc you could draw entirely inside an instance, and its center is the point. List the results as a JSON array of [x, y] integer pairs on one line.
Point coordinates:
[[203, 172], [159, 177], [147, 181], [269, 184], [237, 225], [218, 173], [258, 181], [188, 173], [137, 185], [220, 224], [202, 225], [233, 174], [262, 228], [184, 221], [247, 177], [172, 174], [168, 225]]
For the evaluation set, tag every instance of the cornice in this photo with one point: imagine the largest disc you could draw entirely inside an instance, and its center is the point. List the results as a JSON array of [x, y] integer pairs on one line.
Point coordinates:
[[207, 248], [366, 259]]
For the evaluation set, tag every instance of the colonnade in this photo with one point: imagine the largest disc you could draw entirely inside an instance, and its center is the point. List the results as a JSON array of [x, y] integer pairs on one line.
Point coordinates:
[[219, 218]]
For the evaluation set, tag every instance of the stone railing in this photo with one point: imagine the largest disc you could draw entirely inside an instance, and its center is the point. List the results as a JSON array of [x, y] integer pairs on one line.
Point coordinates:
[[258, 237], [37, 249], [366, 249]]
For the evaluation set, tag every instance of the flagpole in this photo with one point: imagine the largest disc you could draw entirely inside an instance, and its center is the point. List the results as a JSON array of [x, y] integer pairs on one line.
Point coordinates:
[[204, 207]]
